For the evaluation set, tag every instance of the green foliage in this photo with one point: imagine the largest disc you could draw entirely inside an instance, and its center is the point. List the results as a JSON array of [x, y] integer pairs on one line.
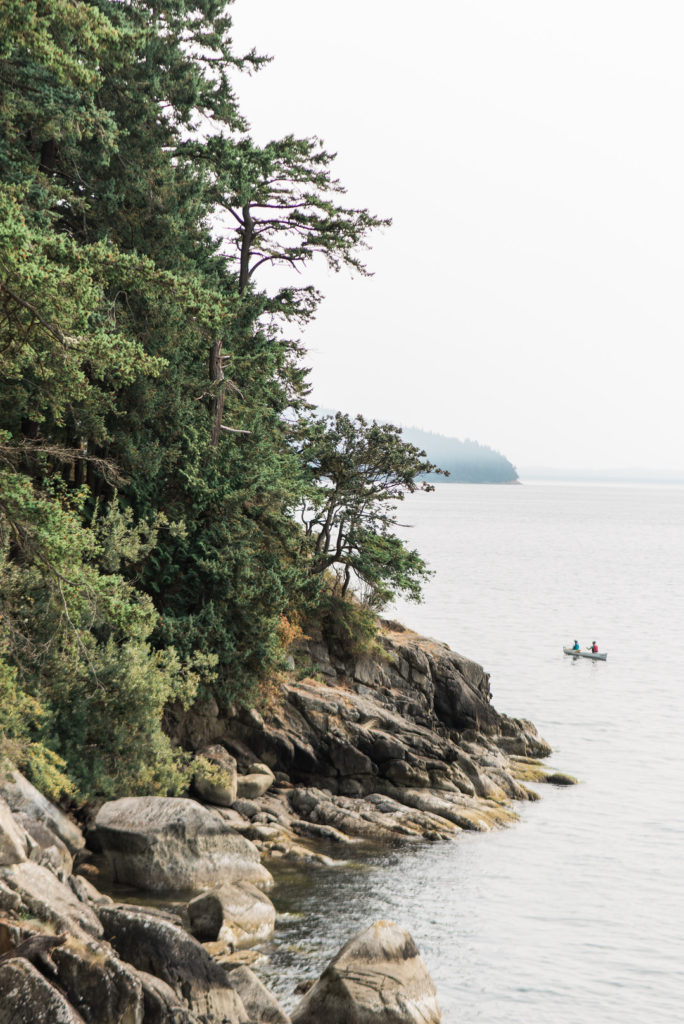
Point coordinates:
[[351, 624], [358, 472], [21, 717], [76, 650], [283, 201], [153, 446]]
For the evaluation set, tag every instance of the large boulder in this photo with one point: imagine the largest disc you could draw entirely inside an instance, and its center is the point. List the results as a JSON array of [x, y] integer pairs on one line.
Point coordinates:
[[24, 798], [377, 978], [220, 784], [170, 843], [236, 914], [27, 998], [157, 946]]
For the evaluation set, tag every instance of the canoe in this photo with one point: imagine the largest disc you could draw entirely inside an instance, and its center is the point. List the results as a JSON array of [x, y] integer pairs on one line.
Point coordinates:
[[585, 654]]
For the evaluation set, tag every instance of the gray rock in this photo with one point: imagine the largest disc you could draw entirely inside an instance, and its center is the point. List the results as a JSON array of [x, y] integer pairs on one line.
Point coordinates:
[[255, 783], [9, 899], [348, 760], [154, 945], [86, 892], [221, 789], [13, 839], [169, 843], [377, 978], [23, 797], [103, 989], [235, 914], [247, 808], [27, 998], [49, 849], [44, 896], [319, 807], [161, 1004], [401, 773], [260, 1005]]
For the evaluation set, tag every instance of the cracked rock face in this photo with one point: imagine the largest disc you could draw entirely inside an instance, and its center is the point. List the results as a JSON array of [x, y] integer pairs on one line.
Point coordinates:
[[171, 843], [236, 914], [377, 978], [27, 998], [13, 839], [24, 798], [163, 949]]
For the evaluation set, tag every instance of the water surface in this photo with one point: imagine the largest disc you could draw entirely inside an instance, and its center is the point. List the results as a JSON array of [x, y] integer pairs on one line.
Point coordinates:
[[575, 914]]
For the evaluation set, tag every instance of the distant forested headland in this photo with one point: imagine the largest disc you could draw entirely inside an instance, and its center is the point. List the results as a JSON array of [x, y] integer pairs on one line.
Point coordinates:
[[467, 462]]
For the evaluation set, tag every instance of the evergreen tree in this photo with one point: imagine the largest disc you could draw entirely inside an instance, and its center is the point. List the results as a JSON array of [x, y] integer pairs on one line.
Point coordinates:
[[152, 447], [359, 471]]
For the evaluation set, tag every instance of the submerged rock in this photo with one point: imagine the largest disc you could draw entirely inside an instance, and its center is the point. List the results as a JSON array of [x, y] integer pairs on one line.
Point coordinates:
[[171, 843], [377, 978]]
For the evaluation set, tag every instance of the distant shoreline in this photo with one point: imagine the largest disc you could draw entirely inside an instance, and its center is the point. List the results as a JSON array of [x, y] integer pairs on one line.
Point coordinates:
[[586, 476]]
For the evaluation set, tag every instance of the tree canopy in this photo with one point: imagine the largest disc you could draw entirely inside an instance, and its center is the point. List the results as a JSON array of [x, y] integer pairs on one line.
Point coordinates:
[[155, 438], [358, 473]]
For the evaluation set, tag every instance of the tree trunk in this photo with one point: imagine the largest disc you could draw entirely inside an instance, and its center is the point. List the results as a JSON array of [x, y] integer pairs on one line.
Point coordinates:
[[246, 246], [216, 376]]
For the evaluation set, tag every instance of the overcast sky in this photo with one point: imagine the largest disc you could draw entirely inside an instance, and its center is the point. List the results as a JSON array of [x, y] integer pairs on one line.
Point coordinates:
[[529, 294]]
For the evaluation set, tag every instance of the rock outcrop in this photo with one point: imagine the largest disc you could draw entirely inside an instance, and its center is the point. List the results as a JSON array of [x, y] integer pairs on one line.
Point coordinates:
[[159, 947], [26, 997], [400, 744], [377, 978]]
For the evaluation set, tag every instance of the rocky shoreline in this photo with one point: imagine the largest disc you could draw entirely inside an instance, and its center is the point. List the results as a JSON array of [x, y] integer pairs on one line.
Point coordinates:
[[397, 744]]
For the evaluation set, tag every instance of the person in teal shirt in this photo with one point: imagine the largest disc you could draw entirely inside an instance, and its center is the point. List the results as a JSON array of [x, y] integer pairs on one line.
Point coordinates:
[[575, 646]]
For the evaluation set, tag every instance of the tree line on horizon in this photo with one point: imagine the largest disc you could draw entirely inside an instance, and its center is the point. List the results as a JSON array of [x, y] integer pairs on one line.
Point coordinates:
[[171, 508], [465, 461]]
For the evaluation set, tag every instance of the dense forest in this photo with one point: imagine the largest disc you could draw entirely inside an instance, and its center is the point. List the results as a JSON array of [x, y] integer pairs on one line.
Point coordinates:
[[171, 511], [466, 462]]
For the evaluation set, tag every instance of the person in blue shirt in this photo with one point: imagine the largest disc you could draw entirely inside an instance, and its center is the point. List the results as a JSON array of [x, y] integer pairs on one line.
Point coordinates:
[[575, 646]]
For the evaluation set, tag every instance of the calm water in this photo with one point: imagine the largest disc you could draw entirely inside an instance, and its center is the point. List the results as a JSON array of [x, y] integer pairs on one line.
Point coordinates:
[[577, 913]]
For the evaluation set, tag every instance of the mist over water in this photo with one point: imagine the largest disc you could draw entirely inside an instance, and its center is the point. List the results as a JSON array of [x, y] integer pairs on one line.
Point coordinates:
[[574, 914]]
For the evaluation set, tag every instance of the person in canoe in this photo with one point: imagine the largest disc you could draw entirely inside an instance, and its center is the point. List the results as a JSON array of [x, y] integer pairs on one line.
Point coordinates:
[[594, 647], [575, 646]]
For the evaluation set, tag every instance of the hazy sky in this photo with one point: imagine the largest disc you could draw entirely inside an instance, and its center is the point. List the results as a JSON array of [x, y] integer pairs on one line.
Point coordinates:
[[529, 294]]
